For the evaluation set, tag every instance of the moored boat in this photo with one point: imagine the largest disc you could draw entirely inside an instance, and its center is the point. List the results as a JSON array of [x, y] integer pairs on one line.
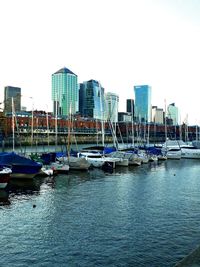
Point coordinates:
[[60, 167], [172, 149], [4, 177], [21, 166], [75, 163], [93, 157]]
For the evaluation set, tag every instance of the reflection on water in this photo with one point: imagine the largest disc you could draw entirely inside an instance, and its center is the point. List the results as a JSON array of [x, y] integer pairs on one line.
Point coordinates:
[[4, 197], [19, 188], [24, 186]]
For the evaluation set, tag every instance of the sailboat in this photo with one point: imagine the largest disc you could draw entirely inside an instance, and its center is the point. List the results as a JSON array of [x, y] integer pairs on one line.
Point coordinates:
[[170, 148], [96, 155], [57, 166], [19, 165], [75, 163]]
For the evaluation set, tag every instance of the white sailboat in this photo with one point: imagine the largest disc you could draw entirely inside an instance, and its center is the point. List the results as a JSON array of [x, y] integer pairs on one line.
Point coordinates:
[[58, 166], [172, 149], [75, 163]]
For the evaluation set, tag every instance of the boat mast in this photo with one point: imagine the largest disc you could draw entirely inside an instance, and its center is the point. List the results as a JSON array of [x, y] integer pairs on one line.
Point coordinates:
[[180, 129], [132, 128], [32, 127], [102, 115], [47, 118], [165, 122], [56, 125], [13, 126], [148, 132], [69, 131]]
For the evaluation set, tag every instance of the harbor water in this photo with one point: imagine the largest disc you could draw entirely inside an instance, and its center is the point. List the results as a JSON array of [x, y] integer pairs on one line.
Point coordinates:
[[136, 216]]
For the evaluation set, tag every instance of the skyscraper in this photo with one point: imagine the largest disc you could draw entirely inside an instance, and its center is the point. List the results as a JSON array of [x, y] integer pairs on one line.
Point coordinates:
[[9, 93], [143, 103], [172, 113], [91, 99], [130, 106], [112, 103], [157, 115], [65, 92]]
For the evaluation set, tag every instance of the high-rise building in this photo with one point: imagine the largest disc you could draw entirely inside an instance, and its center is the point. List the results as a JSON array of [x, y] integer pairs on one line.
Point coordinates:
[[173, 114], [157, 115], [130, 106], [11, 92], [142, 103], [112, 103], [91, 100], [65, 95], [82, 95]]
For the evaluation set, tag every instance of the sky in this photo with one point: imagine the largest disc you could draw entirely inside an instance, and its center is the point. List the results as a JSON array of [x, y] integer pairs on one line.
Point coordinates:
[[120, 43]]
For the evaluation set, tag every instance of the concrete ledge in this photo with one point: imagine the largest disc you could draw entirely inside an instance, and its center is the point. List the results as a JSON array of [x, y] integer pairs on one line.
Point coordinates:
[[191, 260]]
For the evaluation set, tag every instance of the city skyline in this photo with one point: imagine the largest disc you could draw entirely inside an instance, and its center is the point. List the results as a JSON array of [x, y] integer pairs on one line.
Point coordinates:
[[119, 43]]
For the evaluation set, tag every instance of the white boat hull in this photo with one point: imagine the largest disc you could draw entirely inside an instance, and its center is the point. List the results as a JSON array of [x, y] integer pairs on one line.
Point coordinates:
[[190, 154], [96, 163], [3, 185], [173, 155], [60, 167], [122, 162]]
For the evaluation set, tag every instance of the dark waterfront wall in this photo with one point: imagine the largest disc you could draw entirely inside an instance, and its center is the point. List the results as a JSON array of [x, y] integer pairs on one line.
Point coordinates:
[[26, 139], [42, 139]]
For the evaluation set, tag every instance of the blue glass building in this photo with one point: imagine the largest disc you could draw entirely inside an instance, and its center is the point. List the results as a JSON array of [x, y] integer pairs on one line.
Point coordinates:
[[142, 103], [91, 99]]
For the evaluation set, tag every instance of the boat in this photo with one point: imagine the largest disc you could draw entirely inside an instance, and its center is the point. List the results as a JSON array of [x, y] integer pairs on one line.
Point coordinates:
[[172, 149], [153, 158], [122, 161], [156, 153], [98, 160], [93, 157], [47, 171], [74, 163], [143, 156], [21, 166], [132, 155], [4, 177], [189, 151], [173, 153], [78, 163], [60, 167]]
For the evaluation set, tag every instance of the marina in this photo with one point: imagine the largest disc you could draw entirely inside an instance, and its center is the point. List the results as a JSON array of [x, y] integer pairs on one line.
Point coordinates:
[[100, 134], [144, 215]]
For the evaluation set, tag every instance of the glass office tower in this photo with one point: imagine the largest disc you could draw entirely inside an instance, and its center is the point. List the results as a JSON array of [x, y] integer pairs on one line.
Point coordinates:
[[130, 106], [65, 95], [91, 100], [173, 113], [9, 93], [143, 103], [112, 103]]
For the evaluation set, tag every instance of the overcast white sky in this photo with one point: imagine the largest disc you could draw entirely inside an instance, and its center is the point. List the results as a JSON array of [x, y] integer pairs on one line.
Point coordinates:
[[120, 43]]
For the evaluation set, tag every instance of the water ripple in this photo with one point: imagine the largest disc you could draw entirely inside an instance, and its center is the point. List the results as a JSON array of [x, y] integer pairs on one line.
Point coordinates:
[[146, 216]]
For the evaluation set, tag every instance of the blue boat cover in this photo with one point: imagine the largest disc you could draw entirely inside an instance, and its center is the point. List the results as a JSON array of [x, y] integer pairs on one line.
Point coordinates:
[[19, 163]]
